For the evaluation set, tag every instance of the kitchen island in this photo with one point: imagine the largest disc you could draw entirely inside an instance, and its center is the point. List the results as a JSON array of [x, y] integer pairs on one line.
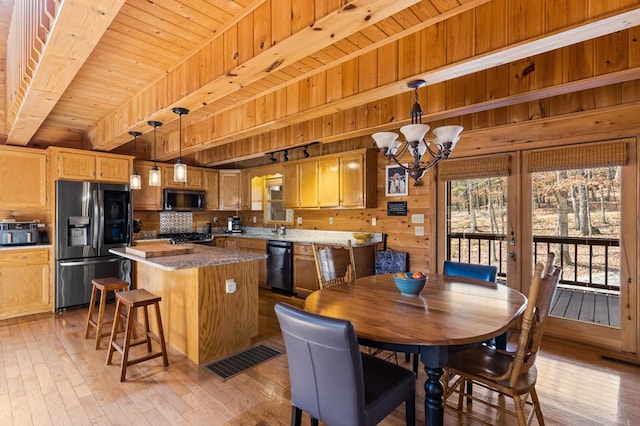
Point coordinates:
[[204, 315]]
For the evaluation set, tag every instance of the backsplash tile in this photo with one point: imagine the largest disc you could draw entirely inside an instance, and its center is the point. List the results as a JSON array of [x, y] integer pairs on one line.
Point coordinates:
[[172, 222]]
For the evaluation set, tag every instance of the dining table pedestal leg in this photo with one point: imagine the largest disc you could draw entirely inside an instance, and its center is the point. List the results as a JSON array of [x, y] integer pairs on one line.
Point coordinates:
[[434, 359]]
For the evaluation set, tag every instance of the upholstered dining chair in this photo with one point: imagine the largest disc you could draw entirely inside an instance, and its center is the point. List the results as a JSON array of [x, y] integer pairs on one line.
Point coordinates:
[[331, 380], [511, 374], [334, 264]]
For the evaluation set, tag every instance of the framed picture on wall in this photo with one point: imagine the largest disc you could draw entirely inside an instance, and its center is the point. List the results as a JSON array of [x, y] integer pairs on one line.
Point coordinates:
[[397, 181]]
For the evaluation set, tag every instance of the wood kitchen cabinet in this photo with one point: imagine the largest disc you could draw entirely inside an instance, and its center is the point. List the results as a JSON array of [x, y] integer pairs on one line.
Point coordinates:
[[147, 197], [358, 174], [329, 181], [77, 164], [113, 168], [245, 190], [229, 189], [25, 282], [308, 184], [290, 186], [305, 276], [211, 185], [256, 245], [341, 180], [27, 191]]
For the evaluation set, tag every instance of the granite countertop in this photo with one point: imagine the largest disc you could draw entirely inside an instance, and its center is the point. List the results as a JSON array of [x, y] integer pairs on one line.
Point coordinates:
[[338, 238], [305, 236], [201, 257]]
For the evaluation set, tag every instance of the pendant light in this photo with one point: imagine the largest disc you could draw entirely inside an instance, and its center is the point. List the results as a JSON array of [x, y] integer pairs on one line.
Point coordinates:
[[134, 179], [180, 169], [155, 178]]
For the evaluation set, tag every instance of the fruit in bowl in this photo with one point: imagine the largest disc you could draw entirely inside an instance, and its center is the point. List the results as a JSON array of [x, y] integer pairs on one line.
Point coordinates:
[[410, 283], [361, 237]]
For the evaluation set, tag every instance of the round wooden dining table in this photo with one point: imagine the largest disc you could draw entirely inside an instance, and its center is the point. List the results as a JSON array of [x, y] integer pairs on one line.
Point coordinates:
[[449, 311]]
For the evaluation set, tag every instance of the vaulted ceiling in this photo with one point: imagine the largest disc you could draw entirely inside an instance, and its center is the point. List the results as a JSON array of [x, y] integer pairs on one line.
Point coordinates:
[[274, 74]]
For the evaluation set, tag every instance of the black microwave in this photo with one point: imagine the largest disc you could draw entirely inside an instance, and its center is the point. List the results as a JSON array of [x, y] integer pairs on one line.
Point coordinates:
[[181, 200]]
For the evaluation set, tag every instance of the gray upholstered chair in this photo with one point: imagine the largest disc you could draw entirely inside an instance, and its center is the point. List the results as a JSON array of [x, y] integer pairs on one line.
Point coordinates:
[[332, 380]]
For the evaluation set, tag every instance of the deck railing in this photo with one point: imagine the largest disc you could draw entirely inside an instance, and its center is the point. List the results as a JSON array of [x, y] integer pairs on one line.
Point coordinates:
[[586, 262]]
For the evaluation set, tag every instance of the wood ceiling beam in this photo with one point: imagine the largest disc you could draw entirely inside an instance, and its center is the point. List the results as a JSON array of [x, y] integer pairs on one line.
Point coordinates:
[[112, 131], [553, 41], [78, 27]]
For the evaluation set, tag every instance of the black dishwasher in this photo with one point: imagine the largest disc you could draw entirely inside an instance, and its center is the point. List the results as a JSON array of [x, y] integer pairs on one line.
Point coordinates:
[[280, 265]]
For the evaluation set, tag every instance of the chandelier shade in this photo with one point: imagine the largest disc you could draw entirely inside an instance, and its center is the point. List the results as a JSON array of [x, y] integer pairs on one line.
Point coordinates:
[[445, 140]]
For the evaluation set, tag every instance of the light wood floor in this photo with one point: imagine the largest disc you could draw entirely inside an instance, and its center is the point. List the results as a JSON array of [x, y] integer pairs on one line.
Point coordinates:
[[49, 374]]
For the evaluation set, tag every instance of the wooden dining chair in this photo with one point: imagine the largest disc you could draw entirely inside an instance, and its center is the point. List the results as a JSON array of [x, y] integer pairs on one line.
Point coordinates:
[[332, 380], [511, 374], [334, 264]]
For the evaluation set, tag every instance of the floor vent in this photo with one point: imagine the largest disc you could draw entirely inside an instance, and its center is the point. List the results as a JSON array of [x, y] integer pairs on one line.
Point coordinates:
[[620, 361], [228, 367]]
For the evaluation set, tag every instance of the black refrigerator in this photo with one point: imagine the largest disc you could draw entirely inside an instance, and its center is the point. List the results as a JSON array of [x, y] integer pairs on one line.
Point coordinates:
[[91, 218]]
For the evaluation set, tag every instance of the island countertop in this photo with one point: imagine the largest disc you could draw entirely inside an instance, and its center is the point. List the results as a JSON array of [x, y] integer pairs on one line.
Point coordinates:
[[201, 257]]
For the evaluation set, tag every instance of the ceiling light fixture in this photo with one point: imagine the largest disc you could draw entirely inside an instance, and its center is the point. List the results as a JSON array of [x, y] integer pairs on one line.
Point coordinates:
[[155, 176], [134, 179], [444, 142], [180, 169], [285, 152]]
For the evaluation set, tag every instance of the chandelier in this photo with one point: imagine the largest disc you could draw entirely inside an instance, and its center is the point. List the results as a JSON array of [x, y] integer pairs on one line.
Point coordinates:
[[439, 149]]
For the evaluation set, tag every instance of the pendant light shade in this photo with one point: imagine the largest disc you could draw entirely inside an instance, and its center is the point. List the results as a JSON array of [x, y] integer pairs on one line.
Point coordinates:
[[134, 179], [180, 169], [155, 176]]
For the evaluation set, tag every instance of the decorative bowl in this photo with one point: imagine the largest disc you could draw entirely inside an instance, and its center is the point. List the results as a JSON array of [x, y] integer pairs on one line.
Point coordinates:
[[361, 237], [410, 286]]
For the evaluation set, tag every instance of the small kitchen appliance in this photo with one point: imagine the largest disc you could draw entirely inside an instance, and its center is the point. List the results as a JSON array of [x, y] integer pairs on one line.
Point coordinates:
[[19, 233], [234, 225]]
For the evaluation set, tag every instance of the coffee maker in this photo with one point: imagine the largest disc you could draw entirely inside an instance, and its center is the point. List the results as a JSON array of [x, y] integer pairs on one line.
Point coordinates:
[[234, 225]]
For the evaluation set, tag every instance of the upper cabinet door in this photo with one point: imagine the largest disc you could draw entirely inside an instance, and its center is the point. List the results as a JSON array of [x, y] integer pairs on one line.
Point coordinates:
[[211, 180], [329, 182], [229, 189], [290, 186], [308, 181], [113, 168], [76, 165], [27, 171], [352, 180]]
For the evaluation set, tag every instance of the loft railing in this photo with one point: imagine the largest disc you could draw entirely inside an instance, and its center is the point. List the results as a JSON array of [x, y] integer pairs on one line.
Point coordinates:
[[586, 262]]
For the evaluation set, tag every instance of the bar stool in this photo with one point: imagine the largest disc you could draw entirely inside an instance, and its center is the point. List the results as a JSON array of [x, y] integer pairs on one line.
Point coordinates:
[[131, 300], [104, 285]]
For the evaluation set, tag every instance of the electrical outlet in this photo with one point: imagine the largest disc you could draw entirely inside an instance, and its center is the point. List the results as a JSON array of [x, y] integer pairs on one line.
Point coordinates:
[[299, 220], [374, 221], [417, 218], [255, 219], [419, 231], [231, 285], [330, 220], [215, 219]]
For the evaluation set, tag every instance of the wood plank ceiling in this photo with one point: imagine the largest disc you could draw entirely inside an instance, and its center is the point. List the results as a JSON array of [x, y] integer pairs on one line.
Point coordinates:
[[274, 74]]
